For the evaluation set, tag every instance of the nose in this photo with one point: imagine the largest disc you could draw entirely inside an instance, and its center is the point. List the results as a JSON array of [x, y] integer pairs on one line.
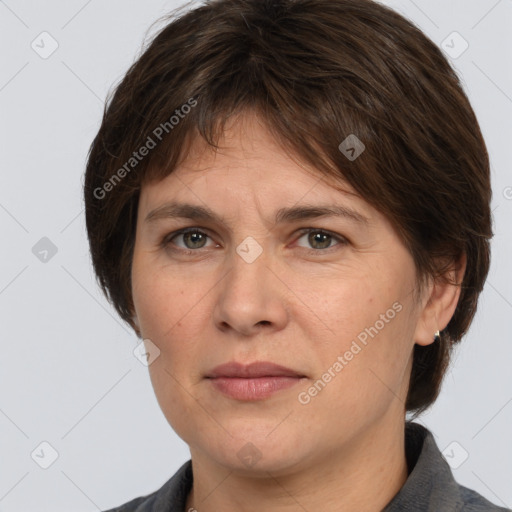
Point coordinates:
[[251, 297]]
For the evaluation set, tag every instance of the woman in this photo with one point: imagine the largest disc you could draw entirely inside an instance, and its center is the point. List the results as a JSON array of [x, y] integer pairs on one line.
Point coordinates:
[[288, 201]]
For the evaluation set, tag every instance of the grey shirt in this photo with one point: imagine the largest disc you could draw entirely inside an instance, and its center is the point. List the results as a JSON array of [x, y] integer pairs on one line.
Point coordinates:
[[430, 486]]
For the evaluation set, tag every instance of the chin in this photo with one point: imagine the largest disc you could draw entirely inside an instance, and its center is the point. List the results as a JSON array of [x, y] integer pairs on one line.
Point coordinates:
[[256, 453]]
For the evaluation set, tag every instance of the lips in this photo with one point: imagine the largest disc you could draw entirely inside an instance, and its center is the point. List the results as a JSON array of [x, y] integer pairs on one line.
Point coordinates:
[[253, 370], [256, 381]]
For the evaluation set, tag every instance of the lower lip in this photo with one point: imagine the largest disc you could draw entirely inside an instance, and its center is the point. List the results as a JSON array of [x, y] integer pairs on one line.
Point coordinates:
[[253, 389]]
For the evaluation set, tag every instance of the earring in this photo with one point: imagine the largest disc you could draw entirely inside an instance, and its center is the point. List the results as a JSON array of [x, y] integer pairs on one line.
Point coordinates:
[[437, 336]]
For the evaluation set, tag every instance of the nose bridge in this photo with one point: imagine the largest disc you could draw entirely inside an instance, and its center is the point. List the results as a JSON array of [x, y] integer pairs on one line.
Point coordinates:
[[249, 265], [250, 295]]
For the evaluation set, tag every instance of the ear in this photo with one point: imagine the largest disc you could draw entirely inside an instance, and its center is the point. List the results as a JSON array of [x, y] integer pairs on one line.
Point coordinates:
[[439, 304]]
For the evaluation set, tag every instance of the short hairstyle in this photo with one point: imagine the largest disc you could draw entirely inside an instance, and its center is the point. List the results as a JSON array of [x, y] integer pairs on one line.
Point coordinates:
[[315, 71]]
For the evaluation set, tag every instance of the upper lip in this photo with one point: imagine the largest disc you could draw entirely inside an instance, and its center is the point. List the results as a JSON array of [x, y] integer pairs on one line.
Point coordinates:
[[253, 370]]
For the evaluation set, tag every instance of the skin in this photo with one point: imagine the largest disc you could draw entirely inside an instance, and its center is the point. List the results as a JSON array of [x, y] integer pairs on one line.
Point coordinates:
[[299, 304]]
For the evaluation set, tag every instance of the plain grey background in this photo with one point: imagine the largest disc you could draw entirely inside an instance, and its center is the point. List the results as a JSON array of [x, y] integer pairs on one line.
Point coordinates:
[[69, 378]]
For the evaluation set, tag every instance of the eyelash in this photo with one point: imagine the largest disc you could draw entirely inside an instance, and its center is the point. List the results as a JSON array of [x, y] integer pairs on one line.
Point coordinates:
[[167, 240]]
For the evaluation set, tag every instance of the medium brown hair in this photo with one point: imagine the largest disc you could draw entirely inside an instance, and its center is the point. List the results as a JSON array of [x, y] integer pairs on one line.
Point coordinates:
[[316, 71]]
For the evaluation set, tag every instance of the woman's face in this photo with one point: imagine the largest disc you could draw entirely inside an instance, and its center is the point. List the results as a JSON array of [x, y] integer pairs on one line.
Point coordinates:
[[331, 298]]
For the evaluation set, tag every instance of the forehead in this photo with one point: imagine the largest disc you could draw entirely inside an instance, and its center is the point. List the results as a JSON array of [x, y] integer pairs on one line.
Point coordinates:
[[248, 153]]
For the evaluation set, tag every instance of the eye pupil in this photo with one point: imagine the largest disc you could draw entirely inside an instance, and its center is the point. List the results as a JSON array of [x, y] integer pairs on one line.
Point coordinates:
[[317, 236], [194, 235]]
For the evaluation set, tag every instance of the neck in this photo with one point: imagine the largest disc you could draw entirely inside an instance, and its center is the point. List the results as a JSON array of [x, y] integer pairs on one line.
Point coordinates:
[[365, 476]]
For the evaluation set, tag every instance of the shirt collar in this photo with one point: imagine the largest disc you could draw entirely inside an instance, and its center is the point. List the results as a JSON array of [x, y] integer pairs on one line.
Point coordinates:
[[430, 485]]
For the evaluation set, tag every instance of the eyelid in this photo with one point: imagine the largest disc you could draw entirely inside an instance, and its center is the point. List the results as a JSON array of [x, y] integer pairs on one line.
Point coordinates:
[[339, 238], [167, 239]]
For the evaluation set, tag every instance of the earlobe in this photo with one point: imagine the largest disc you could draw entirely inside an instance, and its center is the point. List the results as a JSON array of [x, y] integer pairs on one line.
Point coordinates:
[[440, 304]]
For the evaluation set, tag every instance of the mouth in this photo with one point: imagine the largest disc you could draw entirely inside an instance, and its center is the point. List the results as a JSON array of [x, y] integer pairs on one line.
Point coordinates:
[[256, 381]]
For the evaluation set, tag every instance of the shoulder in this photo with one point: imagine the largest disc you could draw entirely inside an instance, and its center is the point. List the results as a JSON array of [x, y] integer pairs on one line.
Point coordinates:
[[171, 497], [431, 484], [474, 502], [140, 504]]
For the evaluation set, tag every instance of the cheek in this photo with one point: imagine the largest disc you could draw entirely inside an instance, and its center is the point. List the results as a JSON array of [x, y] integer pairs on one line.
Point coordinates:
[[371, 322], [165, 301], [349, 307], [168, 317], [175, 397]]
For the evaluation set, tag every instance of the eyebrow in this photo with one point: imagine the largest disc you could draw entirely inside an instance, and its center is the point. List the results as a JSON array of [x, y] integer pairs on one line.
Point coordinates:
[[302, 212]]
